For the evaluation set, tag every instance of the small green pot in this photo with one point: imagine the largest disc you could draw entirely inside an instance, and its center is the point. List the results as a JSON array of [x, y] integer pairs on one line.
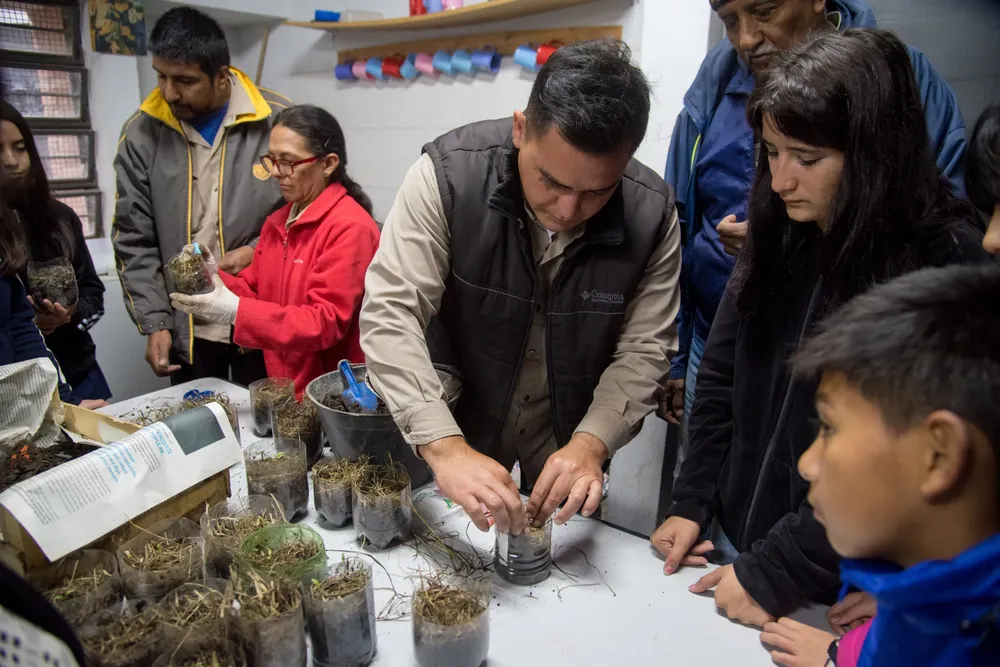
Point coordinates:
[[273, 537]]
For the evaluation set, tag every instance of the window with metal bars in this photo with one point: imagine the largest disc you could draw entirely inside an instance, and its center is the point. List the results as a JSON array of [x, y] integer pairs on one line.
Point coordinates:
[[43, 76]]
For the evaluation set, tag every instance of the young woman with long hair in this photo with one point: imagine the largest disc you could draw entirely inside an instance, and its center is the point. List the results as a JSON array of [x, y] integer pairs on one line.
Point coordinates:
[[298, 301], [45, 229], [847, 195]]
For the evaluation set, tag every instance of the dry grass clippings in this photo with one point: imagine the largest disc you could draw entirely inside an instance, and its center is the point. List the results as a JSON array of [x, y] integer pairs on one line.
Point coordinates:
[[289, 553], [161, 555], [261, 599], [241, 527], [222, 399], [447, 605], [118, 641], [189, 274], [347, 579], [195, 607], [295, 420], [211, 658], [150, 414], [383, 480], [342, 471], [77, 585], [57, 283], [264, 464]]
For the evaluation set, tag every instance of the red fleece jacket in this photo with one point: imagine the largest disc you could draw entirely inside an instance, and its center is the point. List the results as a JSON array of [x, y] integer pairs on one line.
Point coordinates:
[[301, 295]]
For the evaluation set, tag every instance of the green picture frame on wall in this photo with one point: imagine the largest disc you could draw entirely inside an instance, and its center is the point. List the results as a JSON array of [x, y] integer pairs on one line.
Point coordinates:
[[118, 27]]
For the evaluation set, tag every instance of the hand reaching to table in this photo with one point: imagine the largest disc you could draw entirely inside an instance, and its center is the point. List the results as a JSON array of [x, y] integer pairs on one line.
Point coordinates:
[[731, 597], [676, 539], [796, 644]]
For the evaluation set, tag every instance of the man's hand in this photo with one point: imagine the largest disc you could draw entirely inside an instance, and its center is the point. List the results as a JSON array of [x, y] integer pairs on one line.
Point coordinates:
[[572, 474], [473, 480], [50, 316], [93, 404], [851, 612], [731, 598], [797, 645], [675, 538], [158, 353], [732, 234], [236, 260], [672, 402]]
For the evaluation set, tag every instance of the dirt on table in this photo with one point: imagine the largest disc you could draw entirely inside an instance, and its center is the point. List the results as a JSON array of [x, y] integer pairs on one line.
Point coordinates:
[[336, 402], [23, 461]]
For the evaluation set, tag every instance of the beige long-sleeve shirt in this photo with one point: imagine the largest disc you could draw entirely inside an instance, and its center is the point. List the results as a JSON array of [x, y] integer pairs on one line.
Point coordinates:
[[403, 291]]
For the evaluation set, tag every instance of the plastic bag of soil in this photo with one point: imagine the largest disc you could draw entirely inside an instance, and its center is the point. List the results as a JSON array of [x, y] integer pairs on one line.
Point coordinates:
[[187, 272], [333, 482], [161, 558], [215, 652], [279, 470], [269, 621], [195, 611], [54, 280], [226, 524], [80, 585], [288, 552], [263, 396], [382, 506], [524, 559], [126, 634], [451, 622], [298, 420], [340, 615]]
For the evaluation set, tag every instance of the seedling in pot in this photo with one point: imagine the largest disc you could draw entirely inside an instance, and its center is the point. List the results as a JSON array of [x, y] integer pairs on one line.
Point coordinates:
[[340, 615], [292, 420], [382, 505], [451, 622], [53, 281], [264, 394], [188, 273], [279, 474], [270, 623], [333, 481]]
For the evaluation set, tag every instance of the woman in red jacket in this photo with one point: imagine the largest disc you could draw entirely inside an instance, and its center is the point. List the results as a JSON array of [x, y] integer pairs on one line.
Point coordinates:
[[298, 300]]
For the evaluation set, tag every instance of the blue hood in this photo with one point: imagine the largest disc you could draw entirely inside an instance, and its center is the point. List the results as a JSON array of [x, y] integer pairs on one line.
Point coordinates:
[[934, 614]]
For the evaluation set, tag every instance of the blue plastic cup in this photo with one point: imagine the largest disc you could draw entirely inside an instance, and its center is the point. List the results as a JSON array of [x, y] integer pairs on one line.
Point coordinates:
[[527, 57], [442, 63], [462, 61], [374, 68], [408, 70]]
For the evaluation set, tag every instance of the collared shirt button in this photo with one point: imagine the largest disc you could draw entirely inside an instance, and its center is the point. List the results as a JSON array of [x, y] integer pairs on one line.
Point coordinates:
[[532, 353]]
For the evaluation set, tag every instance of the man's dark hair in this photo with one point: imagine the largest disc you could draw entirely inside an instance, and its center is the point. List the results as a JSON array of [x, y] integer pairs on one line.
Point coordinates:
[[185, 35], [982, 168], [926, 341], [593, 95]]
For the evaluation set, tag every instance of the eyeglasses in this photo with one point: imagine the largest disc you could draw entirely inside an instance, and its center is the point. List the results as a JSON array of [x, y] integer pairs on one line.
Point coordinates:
[[283, 167]]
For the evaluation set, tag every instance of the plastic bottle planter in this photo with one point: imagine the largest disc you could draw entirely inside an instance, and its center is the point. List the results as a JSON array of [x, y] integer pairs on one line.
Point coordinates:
[[213, 651], [270, 624], [125, 634], [160, 559], [524, 559], [340, 615], [187, 273], [226, 524], [195, 611], [295, 553], [264, 394], [293, 421], [80, 585], [279, 470], [333, 482], [383, 506], [451, 622], [54, 281]]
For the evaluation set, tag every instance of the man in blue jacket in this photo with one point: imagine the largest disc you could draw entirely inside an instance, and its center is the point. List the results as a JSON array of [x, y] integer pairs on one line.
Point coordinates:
[[712, 157]]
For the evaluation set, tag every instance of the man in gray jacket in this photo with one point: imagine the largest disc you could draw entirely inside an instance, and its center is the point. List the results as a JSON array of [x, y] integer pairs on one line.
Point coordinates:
[[548, 259], [188, 171]]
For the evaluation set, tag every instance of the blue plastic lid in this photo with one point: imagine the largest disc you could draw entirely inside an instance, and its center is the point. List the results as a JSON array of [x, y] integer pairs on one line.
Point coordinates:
[[328, 16]]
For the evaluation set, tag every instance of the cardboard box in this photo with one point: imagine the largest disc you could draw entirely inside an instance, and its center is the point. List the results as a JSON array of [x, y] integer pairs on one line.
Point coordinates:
[[22, 554]]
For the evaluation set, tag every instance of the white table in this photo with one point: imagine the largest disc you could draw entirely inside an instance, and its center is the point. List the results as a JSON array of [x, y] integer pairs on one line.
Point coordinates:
[[617, 609]]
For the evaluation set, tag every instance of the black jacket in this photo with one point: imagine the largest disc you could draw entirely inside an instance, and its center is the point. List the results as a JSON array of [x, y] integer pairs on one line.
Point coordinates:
[[492, 291], [751, 422], [71, 343]]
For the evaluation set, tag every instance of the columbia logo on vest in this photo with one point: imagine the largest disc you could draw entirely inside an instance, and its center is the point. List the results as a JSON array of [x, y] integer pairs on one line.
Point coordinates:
[[598, 296]]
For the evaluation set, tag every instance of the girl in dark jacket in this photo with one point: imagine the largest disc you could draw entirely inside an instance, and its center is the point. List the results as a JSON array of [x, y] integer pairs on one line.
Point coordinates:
[[49, 230], [846, 196]]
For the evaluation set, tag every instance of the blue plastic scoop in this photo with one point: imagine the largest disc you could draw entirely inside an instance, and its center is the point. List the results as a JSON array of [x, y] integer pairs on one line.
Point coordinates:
[[358, 394]]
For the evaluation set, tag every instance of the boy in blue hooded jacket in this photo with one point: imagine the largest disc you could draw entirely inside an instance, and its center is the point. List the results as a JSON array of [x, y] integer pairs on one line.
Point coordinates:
[[711, 160], [905, 471]]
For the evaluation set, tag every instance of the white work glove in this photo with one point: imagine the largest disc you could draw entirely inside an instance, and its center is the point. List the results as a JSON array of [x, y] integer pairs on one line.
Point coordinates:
[[220, 305]]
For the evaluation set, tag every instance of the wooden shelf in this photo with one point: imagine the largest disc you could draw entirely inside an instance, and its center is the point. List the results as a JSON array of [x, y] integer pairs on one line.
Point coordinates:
[[484, 12]]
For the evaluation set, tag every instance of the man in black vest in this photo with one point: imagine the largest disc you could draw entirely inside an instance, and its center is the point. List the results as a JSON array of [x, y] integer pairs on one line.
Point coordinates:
[[536, 257]]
